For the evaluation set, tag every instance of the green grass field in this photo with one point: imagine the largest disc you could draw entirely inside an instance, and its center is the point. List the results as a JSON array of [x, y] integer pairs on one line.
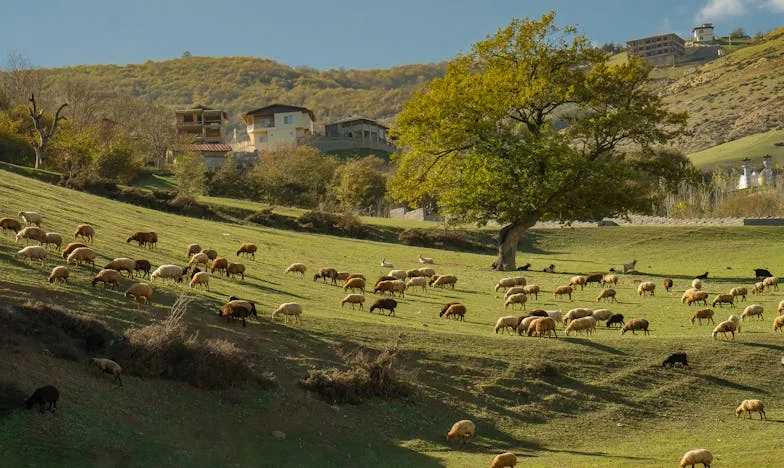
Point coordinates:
[[598, 401], [732, 153]]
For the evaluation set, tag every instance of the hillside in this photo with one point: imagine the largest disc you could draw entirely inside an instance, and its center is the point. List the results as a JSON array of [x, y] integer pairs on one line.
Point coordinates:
[[239, 84], [599, 400], [730, 154]]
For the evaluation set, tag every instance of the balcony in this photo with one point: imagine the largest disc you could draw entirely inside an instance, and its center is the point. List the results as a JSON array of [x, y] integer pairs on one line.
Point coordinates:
[[260, 125]]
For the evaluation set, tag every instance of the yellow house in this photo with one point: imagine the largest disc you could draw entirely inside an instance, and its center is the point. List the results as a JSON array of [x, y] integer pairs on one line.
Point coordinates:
[[278, 126]]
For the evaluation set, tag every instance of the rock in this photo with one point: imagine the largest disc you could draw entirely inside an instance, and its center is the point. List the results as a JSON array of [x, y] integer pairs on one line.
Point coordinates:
[[280, 435]]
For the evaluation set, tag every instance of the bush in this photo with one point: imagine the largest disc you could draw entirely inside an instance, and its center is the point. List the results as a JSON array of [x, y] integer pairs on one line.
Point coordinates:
[[364, 377], [267, 217], [438, 238], [345, 224]]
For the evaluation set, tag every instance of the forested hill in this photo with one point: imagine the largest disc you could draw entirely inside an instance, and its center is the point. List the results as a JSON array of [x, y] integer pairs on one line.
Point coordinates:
[[238, 84]]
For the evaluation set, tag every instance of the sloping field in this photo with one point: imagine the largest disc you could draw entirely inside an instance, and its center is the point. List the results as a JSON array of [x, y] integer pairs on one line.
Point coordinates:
[[732, 153], [600, 400]]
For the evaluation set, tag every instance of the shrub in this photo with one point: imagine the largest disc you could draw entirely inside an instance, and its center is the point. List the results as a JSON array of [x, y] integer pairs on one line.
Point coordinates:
[[365, 376], [266, 217], [344, 224], [438, 238]]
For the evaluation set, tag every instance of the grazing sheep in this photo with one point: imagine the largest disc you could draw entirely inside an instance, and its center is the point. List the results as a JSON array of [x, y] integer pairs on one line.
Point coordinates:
[[249, 249], [356, 275], [398, 274], [615, 318], [761, 273], [758, 288], [144, 238], [53, 238], [739, 291], [509, 321], [122, 264], [594, 278], [237, 309], [504, 460], [201, 278], [356, 284], [389, 287], [59, 274], [354, 299], [453, 309], [392, 278], [31, 233], [646, 287], [692, 457], [288, 309], [608, 280], [524, 323], [429, 272], [667, 283], [736, 319], [140, 292], [71, 247], [538, 313], [34, 252], [586, 324], [200, 258], [516, 299], [706, 314], [778, 323], [107, 366], [415, 273], [507, 283], [296, 268], [555, 315], [531, 290], [541, 326], [771, 281], [326, 273], [723, 299], [751, 311], [627, 267], [425, 260], [514, 290], [562, 291], [703, 276], [11, 224], [444, 280], [212, 254], [462, 431], [602, 314], [191, 250], [385, 304], [780, 308], [31, 217], [579, 312], [343, 276], [634, 325], [578, 281], [82, 255], [674, 358], [172, 272], [108, 277], [724, 327], [608, 295], [142, 265], [45, 396], [235, 269], [85, 231], [691, 296], [219, 264], [696, 284], [418, 281], [751, 406]]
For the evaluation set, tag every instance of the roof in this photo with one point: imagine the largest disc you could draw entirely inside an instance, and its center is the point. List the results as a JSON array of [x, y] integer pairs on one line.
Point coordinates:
[[353, 118], [280, 108], [656, 35], [207, 147], [202, 108]]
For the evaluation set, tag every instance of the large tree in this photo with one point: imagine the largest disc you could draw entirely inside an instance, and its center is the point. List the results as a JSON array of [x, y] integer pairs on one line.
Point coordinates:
[[531, 124]]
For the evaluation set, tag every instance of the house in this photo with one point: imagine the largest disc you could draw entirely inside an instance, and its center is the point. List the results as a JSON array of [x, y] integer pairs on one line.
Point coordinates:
[[358, 128], [664, 49], [278, 126], [703, 33], [203, 124]]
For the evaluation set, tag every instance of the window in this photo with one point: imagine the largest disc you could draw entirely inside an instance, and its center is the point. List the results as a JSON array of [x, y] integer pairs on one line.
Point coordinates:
[[288, 119], [261, 139], [187, 118]]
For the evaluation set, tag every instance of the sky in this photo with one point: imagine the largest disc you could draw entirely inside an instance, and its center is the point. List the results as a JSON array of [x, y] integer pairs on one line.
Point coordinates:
[[328, 34]]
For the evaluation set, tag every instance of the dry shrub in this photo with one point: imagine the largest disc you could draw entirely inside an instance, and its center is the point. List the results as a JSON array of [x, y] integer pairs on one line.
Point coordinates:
[[365, 376], [337, 224], [11, 397], [540, 369], [751, 203], [436, 238]]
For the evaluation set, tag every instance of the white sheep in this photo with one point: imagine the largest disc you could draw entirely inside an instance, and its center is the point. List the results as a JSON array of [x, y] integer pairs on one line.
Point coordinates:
[[429, 272], [354, 299], [82, 255], [696, 283], [646, 287], [53, 238], [164, 272], [579, 312], [288, 309], [724, 328], [201, 278], [296, 268], [758, 288], [739, 291], [514, 290], [443, 281], [608, 280], [526, 322], [693, 295], [751, 406], [422, 259], [586, 324], [578, 281], [780, 308], [509, 321], [462, 431], [752, 310], [34, 252], [107, 366], [692, 457], [505, 283], [398, 274], [59, 274], [771, 282], [200, 258], [31, 233], [735, 319], [532, 290], [31, 217], [417, 281], [516, 299], [140, 292], [555, 315], [601, 315]]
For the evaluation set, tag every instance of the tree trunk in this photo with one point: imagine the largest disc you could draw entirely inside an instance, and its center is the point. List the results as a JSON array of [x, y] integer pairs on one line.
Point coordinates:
[[39, 154], [508, 238]]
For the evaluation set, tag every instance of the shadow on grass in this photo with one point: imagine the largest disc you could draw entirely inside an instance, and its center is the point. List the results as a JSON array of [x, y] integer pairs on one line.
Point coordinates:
[[762, 345], [594, 345], [729, 384]]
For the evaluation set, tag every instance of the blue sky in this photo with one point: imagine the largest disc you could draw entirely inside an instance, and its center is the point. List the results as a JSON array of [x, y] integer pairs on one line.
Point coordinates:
[[332, 34]]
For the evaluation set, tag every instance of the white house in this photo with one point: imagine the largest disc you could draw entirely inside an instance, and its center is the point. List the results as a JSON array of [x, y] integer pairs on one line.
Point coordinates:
[[278, 126]]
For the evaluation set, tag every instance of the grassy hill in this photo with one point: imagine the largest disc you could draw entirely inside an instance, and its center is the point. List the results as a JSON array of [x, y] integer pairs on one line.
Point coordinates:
[[601, 400], [730, 154]]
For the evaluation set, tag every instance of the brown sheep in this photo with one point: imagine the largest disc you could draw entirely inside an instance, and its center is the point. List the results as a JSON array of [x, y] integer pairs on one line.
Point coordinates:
[[504, 460], [82, 255], [723, 299], [59, 274], [516, 299], [608, 280], [11, 224], [594, 278], [122, 264], [692, 296], [108, 278], [531, 290], [541, 326], [608, 295], [444, 280], [355, 284], [85, 231], [219, 264], [667, 283], [577, 281], [212, 254], [453, 309], [778, 322], [192, 250], [706, 314], [237, 309], [107, 366], [248, 249], [390, 287], [31, 233], [462, 431], [145, 238], [71, 247], [140, 292], [235, 269], [200, 258], [325, 273], [563, 290], [635, 324], [296, 268], [354, 299]]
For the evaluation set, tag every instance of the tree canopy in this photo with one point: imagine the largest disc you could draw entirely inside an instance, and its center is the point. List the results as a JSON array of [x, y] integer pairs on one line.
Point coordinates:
[[532, 123]]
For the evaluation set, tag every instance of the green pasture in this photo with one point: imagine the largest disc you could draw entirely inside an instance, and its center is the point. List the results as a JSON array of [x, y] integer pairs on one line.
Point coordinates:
[[731, 154], [600, 400]]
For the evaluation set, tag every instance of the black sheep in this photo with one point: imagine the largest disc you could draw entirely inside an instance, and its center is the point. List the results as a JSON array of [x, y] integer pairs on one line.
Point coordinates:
[[45, 396], [762, 273], [385, 304], [674, 358], [538, 313], [615, 318], [524, 267]]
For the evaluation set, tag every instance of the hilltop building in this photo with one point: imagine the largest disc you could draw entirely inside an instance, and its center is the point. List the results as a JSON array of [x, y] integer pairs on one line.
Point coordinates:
[[664, 49], [204, 124], [354, 132], [278, 126], [703, 33]]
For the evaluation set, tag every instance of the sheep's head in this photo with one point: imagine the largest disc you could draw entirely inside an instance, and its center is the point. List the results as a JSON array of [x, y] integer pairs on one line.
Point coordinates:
[[738, 411]]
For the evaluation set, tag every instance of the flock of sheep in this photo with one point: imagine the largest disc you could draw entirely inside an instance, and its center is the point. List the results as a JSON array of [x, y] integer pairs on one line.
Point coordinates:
[[517, 293]]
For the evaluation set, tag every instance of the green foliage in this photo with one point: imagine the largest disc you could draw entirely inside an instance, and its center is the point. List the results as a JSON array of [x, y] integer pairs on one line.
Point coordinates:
[[15, 149], [120, 161], [231, 180], [360, 183], [296, 177], [191, 174]]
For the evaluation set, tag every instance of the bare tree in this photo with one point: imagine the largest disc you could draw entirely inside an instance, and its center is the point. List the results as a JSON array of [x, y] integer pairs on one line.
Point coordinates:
[[45, 134], [21, 78], [85, 101]]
